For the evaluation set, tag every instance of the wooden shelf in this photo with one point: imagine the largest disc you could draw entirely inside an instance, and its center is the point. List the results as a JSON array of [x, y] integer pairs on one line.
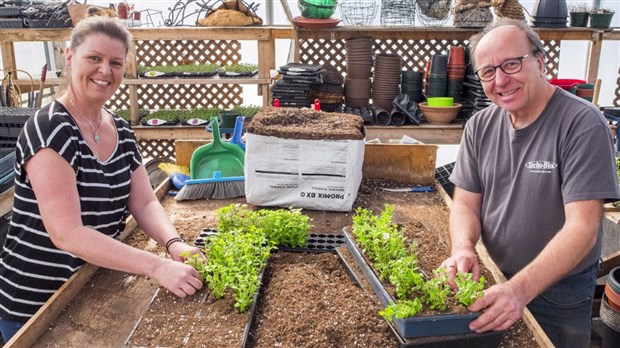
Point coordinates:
[[426, 133]]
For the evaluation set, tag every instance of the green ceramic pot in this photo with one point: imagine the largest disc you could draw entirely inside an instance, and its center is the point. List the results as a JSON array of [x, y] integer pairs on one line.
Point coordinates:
[[579, 19], [600, 20], [318, 9]]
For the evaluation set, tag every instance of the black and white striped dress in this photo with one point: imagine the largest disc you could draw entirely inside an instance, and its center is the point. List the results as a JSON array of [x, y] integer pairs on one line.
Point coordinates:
[[31, 267]]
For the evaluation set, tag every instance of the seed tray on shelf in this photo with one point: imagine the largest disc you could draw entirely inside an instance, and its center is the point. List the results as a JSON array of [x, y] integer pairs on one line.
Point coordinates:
[[230, 74], [10, 11], [47, 23], [178, 74], [12, 23]]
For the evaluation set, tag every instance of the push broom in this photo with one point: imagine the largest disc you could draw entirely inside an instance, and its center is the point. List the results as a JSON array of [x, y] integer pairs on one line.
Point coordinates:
[[216, 170]]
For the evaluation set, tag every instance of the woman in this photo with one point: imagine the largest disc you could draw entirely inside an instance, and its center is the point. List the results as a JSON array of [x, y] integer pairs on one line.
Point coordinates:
[[78, 174]]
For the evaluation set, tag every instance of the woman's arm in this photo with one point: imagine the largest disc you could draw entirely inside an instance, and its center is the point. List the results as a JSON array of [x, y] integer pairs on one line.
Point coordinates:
[[151, 216], [54, 184]]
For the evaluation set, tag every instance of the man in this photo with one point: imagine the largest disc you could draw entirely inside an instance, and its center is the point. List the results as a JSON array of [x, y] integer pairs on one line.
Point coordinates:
[[531, 176]]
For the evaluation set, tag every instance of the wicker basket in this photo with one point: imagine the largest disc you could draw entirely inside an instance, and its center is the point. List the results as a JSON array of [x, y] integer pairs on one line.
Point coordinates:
[[509, 8], [473, 18]]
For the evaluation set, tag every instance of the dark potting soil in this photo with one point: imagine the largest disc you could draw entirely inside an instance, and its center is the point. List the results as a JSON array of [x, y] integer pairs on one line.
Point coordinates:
[[290, 123]]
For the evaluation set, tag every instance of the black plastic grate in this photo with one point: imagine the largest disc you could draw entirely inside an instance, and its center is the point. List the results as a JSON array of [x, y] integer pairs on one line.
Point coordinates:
[[442, 175], [316, 243]]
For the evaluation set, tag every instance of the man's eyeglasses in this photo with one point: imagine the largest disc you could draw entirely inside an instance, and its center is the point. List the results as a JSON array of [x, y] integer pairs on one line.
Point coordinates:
[[509, 66]]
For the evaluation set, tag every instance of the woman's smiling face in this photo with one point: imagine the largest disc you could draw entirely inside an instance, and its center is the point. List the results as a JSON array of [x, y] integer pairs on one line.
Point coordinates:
[[97, 67]]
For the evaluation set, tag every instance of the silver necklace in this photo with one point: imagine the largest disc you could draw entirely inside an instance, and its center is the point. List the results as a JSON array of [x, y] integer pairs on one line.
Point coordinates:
[[95, 131]]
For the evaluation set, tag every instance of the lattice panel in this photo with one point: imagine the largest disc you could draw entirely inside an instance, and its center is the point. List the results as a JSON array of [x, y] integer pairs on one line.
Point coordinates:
[[120, 100], [157, 148], [188, 96], [616, 101], [552, 48], [324, 52], [415, 53], [160, 52]]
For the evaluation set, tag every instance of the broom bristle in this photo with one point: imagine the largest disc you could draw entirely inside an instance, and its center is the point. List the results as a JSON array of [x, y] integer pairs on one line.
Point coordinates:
[[212, 190]]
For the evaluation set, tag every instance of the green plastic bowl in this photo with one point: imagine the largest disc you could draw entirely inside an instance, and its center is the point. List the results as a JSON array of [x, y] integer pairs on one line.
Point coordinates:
[[440, 101], [318, 9]]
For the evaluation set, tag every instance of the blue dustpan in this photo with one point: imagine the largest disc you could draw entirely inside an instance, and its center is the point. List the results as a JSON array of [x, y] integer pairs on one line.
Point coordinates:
[[238, 132]]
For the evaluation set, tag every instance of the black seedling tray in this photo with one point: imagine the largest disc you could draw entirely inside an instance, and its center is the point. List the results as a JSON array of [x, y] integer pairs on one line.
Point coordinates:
[[316, 242], [447, 329], [228, 74], [260, 292], [290, 94], [12, 23], [10, 11], [297, 67]]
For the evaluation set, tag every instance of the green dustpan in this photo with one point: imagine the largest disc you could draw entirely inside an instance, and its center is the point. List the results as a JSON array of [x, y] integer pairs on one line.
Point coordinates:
[[217, 156]]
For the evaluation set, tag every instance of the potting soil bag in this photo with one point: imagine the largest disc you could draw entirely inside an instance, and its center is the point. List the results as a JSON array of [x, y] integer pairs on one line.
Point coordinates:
[[304, 159]]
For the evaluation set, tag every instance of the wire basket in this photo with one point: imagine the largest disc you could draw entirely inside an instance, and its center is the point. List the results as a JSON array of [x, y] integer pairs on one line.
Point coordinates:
[[433, 13], [358, 12], [398, 12]]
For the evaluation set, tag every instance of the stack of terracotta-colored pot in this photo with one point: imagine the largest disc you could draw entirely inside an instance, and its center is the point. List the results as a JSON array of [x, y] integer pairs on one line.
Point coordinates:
[[456, 72], [359, 71], [386, 80]]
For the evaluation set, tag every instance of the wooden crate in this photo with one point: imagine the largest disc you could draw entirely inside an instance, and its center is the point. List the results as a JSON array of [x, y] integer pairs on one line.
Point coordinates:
[[408, 163]]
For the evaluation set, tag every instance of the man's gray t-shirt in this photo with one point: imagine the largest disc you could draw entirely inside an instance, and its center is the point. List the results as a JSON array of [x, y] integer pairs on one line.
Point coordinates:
[[526, 176]]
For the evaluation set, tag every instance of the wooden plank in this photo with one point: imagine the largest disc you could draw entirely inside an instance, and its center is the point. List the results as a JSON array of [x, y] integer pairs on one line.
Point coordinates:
[[171, 132], [6, 201], [594, 58], [612, 35], [8, 56], [42, 319], [612, 213], [426, 133], [184, 149], [429, 134], [609, 262], [413, 164], [202, 33]]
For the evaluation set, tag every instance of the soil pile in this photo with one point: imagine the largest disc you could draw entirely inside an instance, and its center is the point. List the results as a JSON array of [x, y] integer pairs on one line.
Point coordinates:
[[306, 124]]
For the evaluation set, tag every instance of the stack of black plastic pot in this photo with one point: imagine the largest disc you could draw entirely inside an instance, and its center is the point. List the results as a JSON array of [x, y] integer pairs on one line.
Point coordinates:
[[293, 89], [437, 80], [475, 99], [550, 14], [411, 85]]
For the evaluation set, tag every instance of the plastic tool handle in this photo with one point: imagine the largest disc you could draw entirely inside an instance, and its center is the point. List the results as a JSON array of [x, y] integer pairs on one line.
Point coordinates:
[[276, 103], [317, 105]]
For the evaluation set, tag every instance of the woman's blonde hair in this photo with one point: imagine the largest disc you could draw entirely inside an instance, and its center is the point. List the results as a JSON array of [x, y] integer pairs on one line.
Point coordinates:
[[108, 26]]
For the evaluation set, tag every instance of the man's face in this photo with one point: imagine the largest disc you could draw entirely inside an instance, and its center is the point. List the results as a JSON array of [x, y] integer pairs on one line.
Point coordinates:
[[507, 45]]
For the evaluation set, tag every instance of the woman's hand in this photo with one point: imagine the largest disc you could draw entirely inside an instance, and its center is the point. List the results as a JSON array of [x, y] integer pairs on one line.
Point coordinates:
[[180, 279], [178, 248]]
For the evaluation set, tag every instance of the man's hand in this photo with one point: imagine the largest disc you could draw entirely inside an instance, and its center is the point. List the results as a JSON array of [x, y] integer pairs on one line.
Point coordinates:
[[503, 304], [465, 261]]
